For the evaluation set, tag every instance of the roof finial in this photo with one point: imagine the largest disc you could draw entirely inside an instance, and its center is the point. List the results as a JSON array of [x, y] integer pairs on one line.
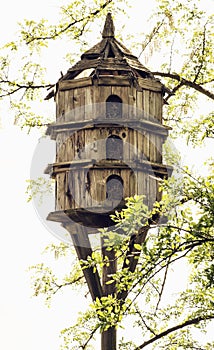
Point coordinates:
[[108, 30]]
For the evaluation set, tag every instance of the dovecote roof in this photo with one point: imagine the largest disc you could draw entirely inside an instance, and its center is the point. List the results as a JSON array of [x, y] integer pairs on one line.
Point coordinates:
[[109, 57], [109, 54]]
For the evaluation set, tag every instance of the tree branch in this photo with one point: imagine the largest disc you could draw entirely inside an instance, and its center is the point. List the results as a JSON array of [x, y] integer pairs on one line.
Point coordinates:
[[75, 21], [18, 87], [185, 82], [173, 329], [163, 285]]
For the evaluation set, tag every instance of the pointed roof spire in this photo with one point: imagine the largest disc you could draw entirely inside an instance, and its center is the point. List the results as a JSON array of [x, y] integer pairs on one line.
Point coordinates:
[[108, 30]]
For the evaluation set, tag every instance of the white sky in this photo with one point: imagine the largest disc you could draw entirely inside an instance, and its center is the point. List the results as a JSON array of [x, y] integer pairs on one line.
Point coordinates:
[[25, 322]]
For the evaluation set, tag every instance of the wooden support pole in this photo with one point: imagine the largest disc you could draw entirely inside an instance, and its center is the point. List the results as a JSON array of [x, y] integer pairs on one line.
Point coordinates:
[[83, 249], [109, 337], [133, 255]]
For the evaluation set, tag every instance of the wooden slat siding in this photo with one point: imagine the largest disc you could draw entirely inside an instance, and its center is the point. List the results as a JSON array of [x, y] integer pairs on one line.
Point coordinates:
[[101, 183], [87, 189], [132, 183], [146, 101], [76, 83], [98, 185], [158, 149], [131, 147], [82, 188], [159, 193], [72, 142], [90, 145], [83, 249], [139, 187], [80, 143], [152, 147], [61, 107], [57, 105], [78, 103], [145, 146], [67, 190], [125, 144], [58, 138], [97, 106], [108, 80], [125, 174], [104, 134], [60, 191], [68, 105], [132, 97], [61, 148], [135, 144], [69, 150], [158, 106], [147, 189], [74, 185], [140, 104], [75, 193], [88, 103], [123, 93], [153, 191], [149, 84], [152, 101], [92, 186], [103, 94], [140, 140]]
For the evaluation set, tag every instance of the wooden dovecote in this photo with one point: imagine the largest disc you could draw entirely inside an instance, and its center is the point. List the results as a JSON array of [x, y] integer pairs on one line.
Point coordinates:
[[109, 136], [108, 133]]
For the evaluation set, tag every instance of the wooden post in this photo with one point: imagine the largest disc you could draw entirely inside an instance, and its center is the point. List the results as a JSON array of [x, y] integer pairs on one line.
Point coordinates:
[[83, 249], [109, 337]]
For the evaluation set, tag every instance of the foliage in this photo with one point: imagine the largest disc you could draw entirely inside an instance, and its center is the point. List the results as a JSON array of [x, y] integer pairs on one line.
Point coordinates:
[[38, 188], [187, 235], [27, 80], [147, 246]]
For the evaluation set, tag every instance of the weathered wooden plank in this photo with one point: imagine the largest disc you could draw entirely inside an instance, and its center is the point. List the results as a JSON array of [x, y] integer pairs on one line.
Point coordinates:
[[152, 191], [113, 80], [60, 191], [83, 249], [146, 146], [140, 140], [140, 104], [152, 148], [132, 111], [152, 108], [78, 105], [149, 84], [89, 103], [60, 107], [158, 106], [126, 182], [97, 108], [133, 183], [146, 102], [135, 144], [69, 105], [123, 93], [75, 83]]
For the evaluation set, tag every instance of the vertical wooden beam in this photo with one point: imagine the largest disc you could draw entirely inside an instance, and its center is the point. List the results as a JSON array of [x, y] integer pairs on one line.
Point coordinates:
[[109, 337], [83, 249]]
